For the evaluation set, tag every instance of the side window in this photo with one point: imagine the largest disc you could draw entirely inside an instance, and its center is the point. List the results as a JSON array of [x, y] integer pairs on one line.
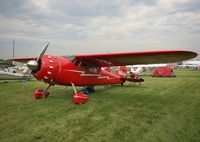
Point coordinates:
[[77, 63], [94, 70]]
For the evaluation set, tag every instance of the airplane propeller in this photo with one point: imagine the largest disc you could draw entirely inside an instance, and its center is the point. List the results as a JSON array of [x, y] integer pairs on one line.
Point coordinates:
[[34, 65]]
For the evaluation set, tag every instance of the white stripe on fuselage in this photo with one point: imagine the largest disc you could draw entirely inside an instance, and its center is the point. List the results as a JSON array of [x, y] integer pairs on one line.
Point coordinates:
[[91, 75], [83, 73]]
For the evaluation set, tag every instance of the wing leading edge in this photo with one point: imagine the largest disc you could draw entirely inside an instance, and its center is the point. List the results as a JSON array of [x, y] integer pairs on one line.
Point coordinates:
[[135, 58]]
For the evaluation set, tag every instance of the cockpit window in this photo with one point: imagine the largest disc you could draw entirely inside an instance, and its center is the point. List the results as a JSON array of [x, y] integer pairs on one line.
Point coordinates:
[[77, 63]]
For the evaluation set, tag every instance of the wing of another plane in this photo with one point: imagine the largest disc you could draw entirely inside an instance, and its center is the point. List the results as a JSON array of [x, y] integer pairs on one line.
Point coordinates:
[[134, 58], [23, 60]]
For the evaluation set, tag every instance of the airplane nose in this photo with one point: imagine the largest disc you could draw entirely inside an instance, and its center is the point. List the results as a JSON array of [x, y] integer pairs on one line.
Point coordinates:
[[33, 65]]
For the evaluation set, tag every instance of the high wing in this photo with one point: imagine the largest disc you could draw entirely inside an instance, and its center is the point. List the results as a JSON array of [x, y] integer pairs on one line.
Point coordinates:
[[134, 58], [128, 58]]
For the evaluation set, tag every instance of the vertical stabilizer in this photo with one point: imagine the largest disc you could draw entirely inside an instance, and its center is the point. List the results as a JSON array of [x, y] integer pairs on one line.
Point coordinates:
[[122, 72]]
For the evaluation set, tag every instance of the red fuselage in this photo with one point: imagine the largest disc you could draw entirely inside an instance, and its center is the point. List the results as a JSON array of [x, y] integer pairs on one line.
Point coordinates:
[[61, 70]]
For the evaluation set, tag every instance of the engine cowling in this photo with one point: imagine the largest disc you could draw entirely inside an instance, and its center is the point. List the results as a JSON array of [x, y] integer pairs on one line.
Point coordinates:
[[49, 69]]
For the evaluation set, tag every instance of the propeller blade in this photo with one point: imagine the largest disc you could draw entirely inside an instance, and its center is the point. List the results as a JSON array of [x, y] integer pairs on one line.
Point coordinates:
[[25, 81], [42, 51]]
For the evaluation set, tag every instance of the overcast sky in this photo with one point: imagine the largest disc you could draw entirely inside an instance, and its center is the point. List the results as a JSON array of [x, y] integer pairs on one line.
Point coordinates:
[[98, 26]]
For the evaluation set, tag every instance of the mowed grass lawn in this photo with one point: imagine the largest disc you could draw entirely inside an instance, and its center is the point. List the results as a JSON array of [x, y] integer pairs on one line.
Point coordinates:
[[161, 109]]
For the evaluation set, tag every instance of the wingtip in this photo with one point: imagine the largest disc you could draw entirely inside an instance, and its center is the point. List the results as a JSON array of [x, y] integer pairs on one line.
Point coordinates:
[[193, 54]]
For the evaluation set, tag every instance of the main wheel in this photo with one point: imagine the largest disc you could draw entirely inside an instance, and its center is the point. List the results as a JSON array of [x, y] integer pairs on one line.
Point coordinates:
[[39, 94]]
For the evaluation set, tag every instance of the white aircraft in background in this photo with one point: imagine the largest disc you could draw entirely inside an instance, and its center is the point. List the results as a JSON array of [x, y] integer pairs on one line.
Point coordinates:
[[10, 74], [192, 64], [141, 69]]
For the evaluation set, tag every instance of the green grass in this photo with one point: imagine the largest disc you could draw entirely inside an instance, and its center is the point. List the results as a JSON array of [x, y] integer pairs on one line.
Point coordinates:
[[161, 109]]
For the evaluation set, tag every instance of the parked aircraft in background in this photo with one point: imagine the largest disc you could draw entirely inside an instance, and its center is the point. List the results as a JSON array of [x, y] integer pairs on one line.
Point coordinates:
[[192, 64], [148, 65], [138, 70], [10, 74], [86, 70], [142, 69]]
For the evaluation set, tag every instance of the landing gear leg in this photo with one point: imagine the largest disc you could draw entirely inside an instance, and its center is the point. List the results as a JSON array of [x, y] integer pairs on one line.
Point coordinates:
[[74, 88], [47, 88]]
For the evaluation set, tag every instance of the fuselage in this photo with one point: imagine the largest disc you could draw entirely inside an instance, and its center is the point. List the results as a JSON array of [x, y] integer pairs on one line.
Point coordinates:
[[64, 71]]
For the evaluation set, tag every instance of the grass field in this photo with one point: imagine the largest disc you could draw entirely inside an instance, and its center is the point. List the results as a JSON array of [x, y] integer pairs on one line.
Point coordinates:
[[160, 110]]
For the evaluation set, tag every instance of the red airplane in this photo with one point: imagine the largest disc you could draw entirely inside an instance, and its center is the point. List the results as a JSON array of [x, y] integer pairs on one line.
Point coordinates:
[[88, 70]]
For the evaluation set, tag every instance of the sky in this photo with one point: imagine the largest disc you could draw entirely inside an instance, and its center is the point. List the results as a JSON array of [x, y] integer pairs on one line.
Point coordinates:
[[98, 26]]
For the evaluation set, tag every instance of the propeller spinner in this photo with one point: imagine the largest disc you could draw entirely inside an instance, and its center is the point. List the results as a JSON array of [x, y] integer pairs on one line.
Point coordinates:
[[33, 65]]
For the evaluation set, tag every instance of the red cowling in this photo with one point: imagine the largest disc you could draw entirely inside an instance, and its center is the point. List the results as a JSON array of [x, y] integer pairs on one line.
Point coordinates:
[[39, 93], [80, 98]]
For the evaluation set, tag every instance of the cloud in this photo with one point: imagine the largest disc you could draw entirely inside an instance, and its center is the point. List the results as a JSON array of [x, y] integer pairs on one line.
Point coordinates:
[[42, 4], [131, 24]]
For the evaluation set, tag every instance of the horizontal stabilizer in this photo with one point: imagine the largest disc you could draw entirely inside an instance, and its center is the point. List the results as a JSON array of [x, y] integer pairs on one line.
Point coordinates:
[[134, 80]]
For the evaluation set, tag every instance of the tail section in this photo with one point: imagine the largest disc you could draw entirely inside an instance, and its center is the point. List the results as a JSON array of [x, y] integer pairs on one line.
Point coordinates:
[[122, 72], [138, 70]]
